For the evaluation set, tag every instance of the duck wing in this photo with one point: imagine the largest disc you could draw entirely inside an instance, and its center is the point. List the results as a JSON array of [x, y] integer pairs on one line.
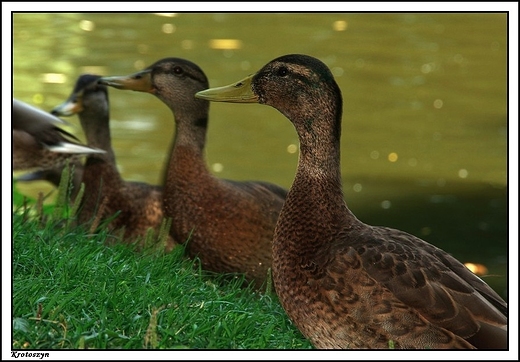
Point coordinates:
[[428, 280]]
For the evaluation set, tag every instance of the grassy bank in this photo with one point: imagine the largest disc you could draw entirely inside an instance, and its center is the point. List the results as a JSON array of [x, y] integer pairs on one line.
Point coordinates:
[[71, 290]]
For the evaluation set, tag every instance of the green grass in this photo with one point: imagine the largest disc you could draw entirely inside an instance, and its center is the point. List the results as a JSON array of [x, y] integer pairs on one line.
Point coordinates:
[[71, 290]]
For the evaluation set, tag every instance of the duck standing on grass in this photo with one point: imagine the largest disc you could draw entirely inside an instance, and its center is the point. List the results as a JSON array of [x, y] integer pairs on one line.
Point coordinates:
[[346, 284], [39, 143], [138, 204], [228, 225]]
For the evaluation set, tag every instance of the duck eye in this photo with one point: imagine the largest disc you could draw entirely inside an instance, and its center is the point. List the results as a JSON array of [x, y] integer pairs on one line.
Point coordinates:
[[282, 72], [178, 70]]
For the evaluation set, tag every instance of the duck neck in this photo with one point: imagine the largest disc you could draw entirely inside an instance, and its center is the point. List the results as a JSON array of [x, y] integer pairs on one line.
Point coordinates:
[[187, 154], [191, 120], [97, 130], [315, 203], [319, 160], [190, 132], [313, 210], [319, 170]]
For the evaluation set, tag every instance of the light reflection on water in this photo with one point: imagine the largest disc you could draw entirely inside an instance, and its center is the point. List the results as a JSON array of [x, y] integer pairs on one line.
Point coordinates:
[[424, 134]]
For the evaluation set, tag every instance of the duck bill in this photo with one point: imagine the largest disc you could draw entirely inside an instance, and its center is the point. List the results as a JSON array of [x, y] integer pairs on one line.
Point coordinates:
[[139, 82], [68, 108], [239, 92]]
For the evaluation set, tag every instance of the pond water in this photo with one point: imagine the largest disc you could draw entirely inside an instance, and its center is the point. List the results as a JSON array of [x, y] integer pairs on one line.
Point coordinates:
[[424, 139]]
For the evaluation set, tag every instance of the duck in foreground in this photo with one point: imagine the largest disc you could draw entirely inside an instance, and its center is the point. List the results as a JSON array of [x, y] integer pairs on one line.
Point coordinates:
[[228, 225], [346, 284], [139, 204], [38, 142]]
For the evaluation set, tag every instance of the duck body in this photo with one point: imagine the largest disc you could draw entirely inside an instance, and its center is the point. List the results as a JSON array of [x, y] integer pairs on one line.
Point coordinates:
[[346, 284], [382, 288], [138, 205], [39, 143], [228, 225]]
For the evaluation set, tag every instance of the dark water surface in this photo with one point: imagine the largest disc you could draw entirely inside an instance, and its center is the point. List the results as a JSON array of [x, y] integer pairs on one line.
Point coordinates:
[[424, 140]]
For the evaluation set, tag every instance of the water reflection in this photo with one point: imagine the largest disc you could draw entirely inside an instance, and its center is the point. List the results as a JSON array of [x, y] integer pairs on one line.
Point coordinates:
[[225, 44]]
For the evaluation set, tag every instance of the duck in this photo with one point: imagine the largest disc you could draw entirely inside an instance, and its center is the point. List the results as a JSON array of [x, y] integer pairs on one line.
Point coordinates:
[[138, 205], [346, 284], [39, 142], [228, 225], [53, 176]]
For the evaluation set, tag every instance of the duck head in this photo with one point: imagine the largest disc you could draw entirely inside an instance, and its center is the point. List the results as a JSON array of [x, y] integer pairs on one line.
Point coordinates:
[[299, 86]]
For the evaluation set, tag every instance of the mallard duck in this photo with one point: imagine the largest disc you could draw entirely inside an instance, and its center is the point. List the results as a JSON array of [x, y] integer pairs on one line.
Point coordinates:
[[228, 224], [39, 143], [139, 204], [344, 283]]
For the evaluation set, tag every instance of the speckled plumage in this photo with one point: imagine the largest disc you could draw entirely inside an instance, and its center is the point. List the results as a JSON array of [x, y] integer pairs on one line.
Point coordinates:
[[228, 224], [344, 283], [139, 204]]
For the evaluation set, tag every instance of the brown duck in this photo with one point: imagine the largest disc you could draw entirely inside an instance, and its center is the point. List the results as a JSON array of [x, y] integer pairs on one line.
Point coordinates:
[[39, 143], [229, 225], [139, 205], [346, 284]]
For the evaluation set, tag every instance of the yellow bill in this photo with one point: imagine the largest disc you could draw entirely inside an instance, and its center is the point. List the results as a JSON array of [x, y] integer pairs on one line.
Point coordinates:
[[140, 82], [239, 92]]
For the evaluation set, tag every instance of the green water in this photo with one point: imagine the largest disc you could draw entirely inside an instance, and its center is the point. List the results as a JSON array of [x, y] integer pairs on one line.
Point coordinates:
[[424, 144]]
